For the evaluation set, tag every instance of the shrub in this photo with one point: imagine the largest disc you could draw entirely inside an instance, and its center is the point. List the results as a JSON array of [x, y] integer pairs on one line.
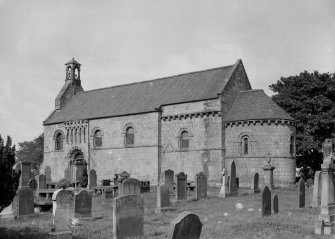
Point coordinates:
[[63, 183]]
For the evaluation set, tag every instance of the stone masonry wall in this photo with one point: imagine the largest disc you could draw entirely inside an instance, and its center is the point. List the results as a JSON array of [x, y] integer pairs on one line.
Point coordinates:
[[264, 138]]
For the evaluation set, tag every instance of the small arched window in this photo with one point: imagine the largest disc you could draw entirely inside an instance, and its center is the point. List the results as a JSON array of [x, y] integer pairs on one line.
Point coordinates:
[[292, 145], [97, 139], [184, 140], [59, 141], [245, 145], [130, 137]]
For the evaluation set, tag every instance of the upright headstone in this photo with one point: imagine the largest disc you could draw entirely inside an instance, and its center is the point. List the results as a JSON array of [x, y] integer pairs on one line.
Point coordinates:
[[62, 200], [92, 178], [67, 174], [131, 186], [266, 202], [168, 179], [128, 216], [163, 198], [83, 204], [201, 185], [42, 181], [275, 204], [25, 174], [33, 184], [268, 173], [24, 202], [255, 183], [316, 200], [47, 171], [181, 186], [232, 183], [301, 193], [186, 226]]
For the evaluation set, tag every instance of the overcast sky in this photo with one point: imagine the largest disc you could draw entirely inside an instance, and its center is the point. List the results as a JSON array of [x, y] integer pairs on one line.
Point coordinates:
[[119, 42]]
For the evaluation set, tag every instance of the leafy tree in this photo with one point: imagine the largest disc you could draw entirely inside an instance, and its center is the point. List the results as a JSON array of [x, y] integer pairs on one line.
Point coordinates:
[[310, 99], [9, 178], [32, 151]]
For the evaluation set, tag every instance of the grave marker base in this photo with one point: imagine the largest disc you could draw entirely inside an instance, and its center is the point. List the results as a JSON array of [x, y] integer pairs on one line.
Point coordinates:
[[60, 235]]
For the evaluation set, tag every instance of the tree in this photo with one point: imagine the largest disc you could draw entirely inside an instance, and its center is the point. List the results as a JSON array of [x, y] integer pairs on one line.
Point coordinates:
[[32, 151], [310, 99], [9, 178]]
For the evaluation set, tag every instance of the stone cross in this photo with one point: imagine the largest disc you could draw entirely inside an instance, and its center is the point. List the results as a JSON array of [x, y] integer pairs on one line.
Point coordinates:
[[181, 186], [255, 183], [83, 204], [275, 204], [223, 185], [301, 193], [316, 200], [201, 185], [187, 226], [92, 178], [268, 173], [130, 186], [266, 202], [128, 215], [232, 183]]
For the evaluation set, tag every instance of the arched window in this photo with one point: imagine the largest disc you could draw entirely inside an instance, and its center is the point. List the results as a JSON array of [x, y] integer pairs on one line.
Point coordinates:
[[59, 141], [245, 145], [130, 137], [184, 140], [292, 145], [97, 139]]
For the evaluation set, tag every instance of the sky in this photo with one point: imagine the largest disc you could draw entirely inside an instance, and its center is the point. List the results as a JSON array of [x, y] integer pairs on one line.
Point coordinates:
[[126, 41]]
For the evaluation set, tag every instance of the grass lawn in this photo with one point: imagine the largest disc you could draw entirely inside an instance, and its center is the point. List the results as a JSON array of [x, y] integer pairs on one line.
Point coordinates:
[[219, 217]]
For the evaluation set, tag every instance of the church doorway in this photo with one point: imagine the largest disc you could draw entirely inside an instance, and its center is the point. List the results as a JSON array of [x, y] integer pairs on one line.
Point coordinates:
[[77, 165]]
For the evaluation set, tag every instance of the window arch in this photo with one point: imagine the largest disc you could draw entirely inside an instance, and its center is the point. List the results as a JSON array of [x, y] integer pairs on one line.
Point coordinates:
[[292, 145], [97, 139], [129, 136], [245, 145], [184, 141], [59, 138], [244, 141]]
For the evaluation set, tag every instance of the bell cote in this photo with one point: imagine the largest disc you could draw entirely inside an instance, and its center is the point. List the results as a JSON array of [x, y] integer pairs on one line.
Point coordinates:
[[72, 69]]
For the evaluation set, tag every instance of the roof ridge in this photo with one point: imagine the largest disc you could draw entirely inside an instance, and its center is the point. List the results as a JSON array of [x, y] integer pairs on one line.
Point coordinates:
[[243, 91], [158, 79]]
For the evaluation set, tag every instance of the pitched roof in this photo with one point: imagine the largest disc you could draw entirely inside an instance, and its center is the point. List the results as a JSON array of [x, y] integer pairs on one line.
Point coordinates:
[[253, 105], [144, 96]]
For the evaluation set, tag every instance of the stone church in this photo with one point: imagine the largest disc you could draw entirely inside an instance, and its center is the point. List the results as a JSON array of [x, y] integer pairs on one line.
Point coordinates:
[[192, 122]]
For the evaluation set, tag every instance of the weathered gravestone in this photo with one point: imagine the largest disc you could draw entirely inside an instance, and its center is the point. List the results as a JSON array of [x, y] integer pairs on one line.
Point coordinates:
[[25, 168], [92, 178], [316, 200], [168, 179], [201, 185], [181, 186], [275, 204], [255, 183], [163, 198], [301, 193], [186, 226], [42, 181], [67, 174], [24, 202], [128, 216], [102, 207], [266, 202], [130, 186], [232, 182], [83, 204], [47, 172], [62, 201], [33, 184]]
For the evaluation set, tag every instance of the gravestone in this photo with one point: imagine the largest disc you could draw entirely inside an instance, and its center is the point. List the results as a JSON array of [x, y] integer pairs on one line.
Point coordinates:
[[47, 172], [168, 179], [316, 200], [67, 174], [232, 182], [301, 193], [83, 204], [24, 202], [62, 200], [181, 186], [102, 207], [255, 183], [275, 204], [266, 202], [268, 173], [128, 214], [131, 186], [201, 185], [186, 226], [92, 178], [163, 198], [42, 181], [222, 193], [25, 168], [33, 184]]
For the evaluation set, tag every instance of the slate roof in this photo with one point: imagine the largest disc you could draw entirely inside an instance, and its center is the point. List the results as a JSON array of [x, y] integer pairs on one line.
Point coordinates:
[[144, 96], [255, 105]]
